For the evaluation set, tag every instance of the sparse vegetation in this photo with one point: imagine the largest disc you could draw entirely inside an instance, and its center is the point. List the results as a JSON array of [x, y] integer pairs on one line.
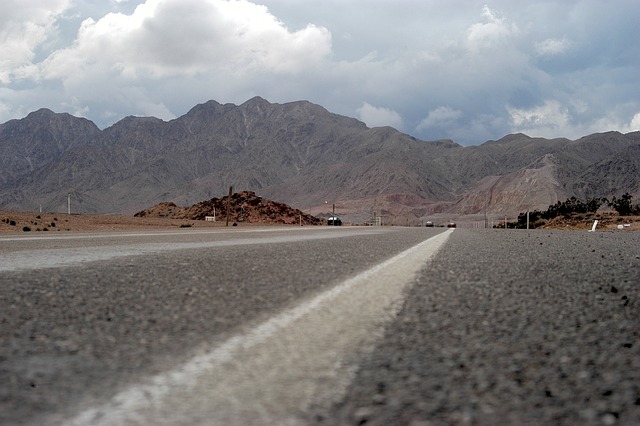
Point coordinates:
[[624, 206], [48, 223], [577, 211], [26, 229], [566, 209]]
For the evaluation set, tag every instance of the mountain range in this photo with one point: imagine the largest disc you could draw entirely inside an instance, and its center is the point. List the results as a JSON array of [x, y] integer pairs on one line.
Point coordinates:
[[300, 154]]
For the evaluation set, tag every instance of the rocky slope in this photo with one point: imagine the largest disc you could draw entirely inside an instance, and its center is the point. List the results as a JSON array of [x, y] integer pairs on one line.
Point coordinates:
[[300, 154], [38, 139]]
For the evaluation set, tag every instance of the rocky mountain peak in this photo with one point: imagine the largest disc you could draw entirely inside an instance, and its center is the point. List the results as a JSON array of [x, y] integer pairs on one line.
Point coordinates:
[[301, 154], [256, 101]]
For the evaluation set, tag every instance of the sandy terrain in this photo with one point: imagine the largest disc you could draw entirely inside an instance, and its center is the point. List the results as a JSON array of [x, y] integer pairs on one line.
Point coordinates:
[[11, 221]]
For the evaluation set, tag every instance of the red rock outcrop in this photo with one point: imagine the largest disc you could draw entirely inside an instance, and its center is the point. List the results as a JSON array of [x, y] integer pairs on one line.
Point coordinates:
[[243, 206]]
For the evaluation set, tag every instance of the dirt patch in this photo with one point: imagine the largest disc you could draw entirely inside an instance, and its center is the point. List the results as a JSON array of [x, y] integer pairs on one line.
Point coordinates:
[[246, 209], [11, 221]]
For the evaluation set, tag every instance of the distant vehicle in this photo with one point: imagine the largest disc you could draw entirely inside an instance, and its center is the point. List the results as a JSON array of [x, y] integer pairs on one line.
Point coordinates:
[[429, 224], [334, 221], [451, 225]]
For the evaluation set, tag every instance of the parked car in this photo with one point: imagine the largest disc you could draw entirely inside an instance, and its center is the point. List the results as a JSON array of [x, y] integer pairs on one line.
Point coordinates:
[[334, 221], [451, 225], [429, 224]]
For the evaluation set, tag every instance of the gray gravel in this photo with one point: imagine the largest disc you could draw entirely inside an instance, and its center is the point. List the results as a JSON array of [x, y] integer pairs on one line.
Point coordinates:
[[510, 327]]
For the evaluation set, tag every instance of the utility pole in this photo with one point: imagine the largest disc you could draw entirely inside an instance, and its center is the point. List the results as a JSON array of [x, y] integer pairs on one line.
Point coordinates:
[[486, 220], [69, 204], [229, 203]]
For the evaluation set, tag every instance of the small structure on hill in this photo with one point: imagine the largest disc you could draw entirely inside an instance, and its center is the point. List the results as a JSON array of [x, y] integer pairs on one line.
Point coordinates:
[[243, 206]]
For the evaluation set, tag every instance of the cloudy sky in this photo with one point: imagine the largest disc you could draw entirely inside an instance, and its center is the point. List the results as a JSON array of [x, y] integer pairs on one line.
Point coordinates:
[[460, 69]]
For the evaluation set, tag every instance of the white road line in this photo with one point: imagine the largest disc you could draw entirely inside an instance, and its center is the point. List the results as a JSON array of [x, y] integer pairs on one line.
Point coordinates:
[[277, 371]]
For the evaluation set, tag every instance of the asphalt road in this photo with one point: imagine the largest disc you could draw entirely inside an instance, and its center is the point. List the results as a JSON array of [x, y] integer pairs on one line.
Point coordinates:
[[321, 326]]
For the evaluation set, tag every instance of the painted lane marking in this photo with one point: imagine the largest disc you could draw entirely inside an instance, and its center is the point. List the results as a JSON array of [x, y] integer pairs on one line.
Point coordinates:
[[274, 373]]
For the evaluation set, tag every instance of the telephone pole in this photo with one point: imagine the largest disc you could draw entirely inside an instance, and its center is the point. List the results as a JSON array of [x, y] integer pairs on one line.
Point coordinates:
[[229, 203]]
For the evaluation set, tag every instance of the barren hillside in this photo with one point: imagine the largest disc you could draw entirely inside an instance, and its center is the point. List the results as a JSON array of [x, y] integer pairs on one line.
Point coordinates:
[[300, 154]]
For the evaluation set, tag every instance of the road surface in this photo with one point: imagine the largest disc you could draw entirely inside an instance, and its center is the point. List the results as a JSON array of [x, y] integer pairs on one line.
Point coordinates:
[[314, 325]]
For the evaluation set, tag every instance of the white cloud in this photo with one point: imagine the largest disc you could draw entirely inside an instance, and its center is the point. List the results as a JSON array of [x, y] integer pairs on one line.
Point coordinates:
[[546, 120], [186, 37], [488, 33], [442, 116], [443, 69], [613, 121], [76, 108], [379, 116], [23, 27], [552, 120], [634, 125], [553, 47]]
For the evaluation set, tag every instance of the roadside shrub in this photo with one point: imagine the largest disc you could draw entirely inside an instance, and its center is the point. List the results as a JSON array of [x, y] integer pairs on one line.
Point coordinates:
[[571, 206], [26, 229], [624, 206], [567, 208]]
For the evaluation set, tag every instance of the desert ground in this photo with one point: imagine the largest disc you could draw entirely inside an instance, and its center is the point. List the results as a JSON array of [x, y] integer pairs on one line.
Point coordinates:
[[20, 222], [11, 221]]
